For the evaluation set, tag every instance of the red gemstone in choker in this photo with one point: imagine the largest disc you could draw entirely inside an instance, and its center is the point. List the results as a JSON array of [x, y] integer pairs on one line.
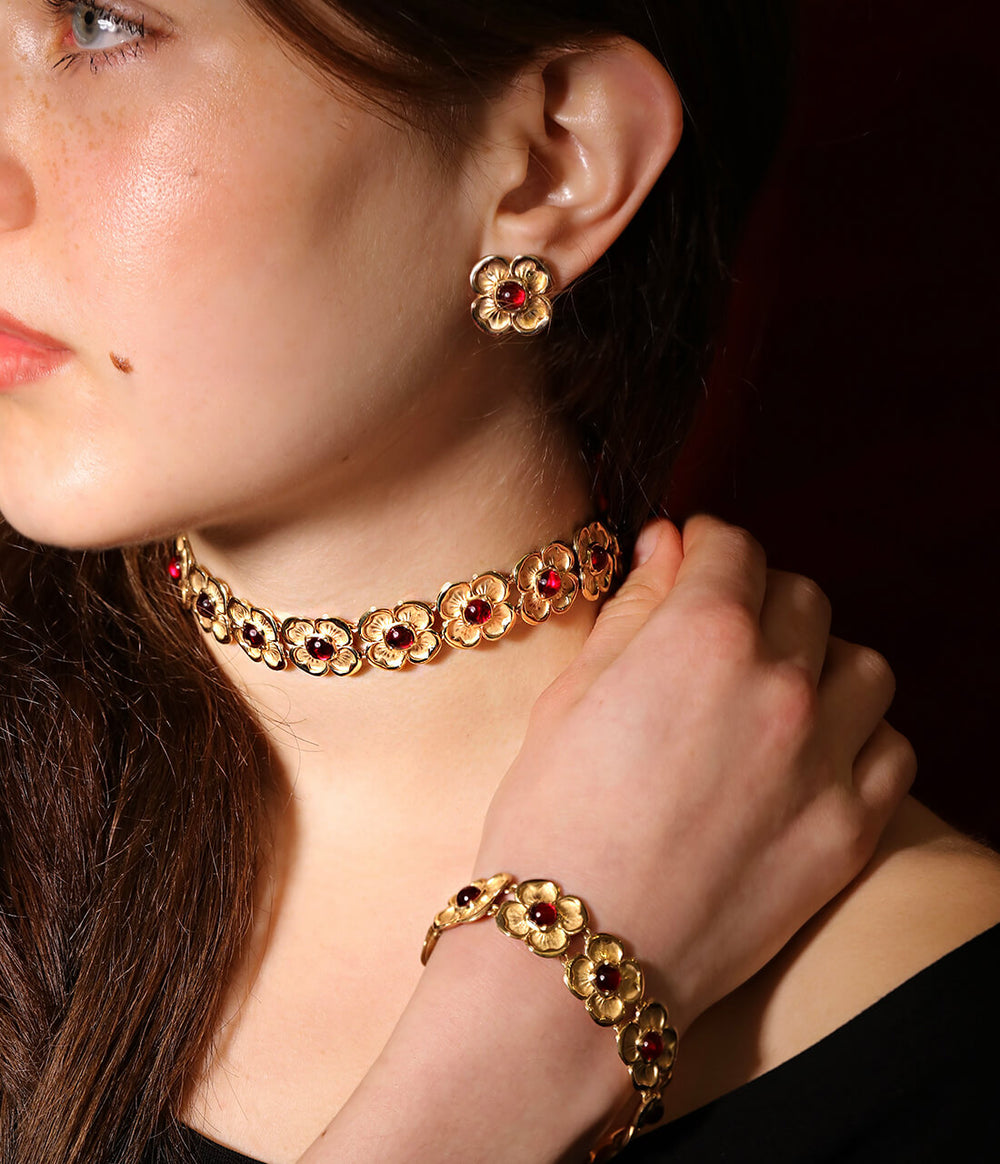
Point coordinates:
[[465, 614]]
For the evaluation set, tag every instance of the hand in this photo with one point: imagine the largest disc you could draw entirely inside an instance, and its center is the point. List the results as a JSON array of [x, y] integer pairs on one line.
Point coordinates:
[[712, 769], [708, 773]]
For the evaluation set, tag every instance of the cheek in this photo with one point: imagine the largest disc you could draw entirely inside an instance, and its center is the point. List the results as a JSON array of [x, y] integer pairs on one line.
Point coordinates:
[[275, 294]]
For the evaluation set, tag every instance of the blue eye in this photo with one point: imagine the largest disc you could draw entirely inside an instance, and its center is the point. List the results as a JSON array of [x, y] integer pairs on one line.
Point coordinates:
[[89, 25], [99, 32]]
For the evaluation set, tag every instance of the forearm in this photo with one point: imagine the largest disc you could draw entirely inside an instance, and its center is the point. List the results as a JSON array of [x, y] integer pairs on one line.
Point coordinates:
[[493, 1060]]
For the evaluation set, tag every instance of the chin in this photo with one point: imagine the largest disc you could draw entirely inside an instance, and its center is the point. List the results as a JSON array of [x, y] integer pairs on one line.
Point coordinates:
[[75, 525]]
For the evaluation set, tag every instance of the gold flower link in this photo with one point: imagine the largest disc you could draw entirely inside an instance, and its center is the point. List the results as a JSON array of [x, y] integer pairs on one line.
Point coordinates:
[[546, 582], [648, 1047], [209, 600], [511, 295], [391, 638], [185, 564], [472, 611], [609, 983], [469, 904], [597, 553], [543, 918], [257, 633], [322, 646]]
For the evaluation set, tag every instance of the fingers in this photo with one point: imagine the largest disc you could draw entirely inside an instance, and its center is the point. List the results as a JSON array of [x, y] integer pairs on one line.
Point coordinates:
[[795, 621], [658, 557], [721, 562], [884, 771], [856, 689]]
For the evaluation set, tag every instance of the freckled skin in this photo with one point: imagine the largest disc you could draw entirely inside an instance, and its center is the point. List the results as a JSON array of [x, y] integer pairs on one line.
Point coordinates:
[[253, 241]]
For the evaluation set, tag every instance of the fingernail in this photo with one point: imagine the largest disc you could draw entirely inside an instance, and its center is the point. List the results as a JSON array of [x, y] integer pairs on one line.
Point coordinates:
[[645, 545]]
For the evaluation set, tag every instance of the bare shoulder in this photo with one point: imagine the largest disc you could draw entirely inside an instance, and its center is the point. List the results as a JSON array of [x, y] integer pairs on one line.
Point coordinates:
[[927, 890]]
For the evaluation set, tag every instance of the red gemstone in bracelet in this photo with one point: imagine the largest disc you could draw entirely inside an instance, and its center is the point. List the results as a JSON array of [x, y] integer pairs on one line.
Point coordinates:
[[548, 583], [607, 978], [650, 1046], [465, 897], [511, 296], [543, 914], [400, 637]]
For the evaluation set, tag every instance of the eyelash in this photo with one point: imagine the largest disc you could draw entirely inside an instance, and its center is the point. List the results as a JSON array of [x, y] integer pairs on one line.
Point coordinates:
[[61, 9]]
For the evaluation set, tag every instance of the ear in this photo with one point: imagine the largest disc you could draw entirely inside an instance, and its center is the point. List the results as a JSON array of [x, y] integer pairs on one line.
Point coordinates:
[[572, 149]]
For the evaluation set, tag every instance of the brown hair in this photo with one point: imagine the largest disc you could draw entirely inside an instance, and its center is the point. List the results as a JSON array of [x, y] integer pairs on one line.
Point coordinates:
[[134, 782]]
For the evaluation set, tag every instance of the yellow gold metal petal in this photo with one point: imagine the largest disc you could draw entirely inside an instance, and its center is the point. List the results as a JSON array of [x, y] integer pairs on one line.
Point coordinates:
[[461, 634], [560, 557], [491, 587], [296, 631], [347, 661], [654, 1017], [567, 595], [500, 623], [425, 648], [572, 914], [334, 629], [415, 614], [527, 569], [549, 943], [532, 272], [628, 1043], [534, 608], [645, 1075], [453, 600], [238, 611], [383, 656], [631, 986], [605, 948], [512, 918], [375, 623], [531, 892], [605, 1010], [535, 315], [305, 662], [274, 657], [578, 976], [491, 318], [488, 274]]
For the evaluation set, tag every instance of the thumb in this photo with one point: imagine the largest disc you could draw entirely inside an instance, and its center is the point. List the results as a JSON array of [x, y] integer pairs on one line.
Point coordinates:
[[658, 555]]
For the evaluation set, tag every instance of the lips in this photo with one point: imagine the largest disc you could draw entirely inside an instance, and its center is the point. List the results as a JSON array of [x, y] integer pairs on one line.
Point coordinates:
[[26, 354], [9, 326]]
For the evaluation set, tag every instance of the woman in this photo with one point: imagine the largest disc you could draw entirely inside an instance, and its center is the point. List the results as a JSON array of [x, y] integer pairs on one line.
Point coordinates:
[[243, 223]]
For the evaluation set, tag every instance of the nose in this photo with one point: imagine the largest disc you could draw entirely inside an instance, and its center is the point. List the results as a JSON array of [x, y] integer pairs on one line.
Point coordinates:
[[17, 194]]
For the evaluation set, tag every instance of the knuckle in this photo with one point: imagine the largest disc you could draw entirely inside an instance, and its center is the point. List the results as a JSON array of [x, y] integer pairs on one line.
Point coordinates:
[[875, 668], [728, 629], [743, 545], [795, 696], [811, 595]]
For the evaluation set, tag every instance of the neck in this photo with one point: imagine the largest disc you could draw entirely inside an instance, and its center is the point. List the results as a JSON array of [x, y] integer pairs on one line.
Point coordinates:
[[425, 747]]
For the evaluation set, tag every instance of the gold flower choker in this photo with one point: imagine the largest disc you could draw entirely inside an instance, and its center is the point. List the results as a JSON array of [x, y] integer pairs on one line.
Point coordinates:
[[465, 614]]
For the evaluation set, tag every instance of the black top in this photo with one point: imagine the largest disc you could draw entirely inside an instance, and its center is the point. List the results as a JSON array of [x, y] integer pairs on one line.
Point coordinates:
[[915, 1078]]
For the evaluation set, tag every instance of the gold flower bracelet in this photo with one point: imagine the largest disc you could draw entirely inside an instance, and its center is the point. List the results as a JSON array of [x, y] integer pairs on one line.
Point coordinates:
[[465, 614], [608, 981]]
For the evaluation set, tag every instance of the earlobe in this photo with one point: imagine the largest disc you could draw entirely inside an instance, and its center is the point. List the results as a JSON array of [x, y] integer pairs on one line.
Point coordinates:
[[596, 129]]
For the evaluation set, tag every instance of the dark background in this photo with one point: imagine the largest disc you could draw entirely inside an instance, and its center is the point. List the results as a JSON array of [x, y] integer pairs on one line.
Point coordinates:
[[851, 420]]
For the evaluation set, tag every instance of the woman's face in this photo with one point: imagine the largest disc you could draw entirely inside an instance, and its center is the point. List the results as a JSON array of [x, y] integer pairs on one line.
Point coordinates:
[[253, 278]]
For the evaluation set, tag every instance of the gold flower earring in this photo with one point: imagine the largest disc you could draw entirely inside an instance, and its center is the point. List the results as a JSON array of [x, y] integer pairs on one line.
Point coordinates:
[[511, 295]]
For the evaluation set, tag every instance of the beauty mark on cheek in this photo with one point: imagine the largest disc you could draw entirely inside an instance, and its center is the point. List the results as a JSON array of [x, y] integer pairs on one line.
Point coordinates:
[[122, 363]]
